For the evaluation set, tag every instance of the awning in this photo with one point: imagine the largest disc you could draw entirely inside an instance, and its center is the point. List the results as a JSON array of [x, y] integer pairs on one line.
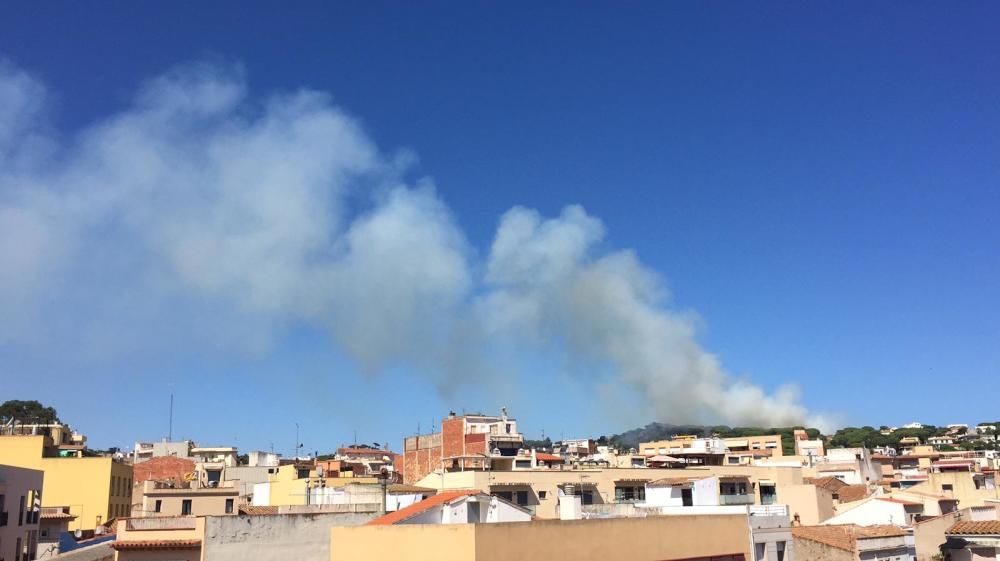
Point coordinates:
[[765, 482], [728, 478], [510, 484], [633, 480], [662, 458]]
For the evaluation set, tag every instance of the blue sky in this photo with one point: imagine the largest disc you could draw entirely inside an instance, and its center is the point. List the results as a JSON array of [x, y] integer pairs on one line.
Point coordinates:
[[818, 183]]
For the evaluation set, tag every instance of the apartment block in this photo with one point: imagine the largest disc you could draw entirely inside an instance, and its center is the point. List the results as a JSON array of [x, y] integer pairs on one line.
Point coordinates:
[[20, 509], [465, 441], [96, 489]]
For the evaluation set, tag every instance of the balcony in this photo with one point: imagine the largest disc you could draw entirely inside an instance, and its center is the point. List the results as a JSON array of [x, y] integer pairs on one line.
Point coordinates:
[[735, 499]]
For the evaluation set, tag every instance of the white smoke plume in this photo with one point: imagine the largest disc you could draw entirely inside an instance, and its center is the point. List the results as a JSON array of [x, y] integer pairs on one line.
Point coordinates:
[[200, 214]]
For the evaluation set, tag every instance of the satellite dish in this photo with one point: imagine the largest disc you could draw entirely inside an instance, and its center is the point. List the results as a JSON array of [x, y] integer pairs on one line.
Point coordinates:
[[78, 533]]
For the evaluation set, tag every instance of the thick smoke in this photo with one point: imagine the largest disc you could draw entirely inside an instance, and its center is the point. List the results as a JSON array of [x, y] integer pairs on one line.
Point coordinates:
[[197, 212]]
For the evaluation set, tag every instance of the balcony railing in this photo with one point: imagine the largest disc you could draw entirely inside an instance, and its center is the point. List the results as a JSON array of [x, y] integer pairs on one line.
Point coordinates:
[[735, 499], [174, 523]]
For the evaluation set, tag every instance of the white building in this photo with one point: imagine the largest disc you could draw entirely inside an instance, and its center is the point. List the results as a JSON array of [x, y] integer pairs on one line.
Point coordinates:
[[148, 450], [456, 507], [877, 510], [257, 458]]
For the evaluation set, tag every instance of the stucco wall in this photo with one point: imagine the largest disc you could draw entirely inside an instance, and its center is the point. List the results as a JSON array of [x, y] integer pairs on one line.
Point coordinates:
[[637, 539], [929, 535], [812, 504], [303, 537]]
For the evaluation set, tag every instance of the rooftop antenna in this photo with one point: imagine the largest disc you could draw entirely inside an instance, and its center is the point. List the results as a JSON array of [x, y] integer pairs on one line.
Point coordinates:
[[170, 426], [355, 438]]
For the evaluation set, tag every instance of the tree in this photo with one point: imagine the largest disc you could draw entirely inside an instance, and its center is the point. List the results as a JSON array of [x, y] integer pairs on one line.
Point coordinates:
[[28, 412]]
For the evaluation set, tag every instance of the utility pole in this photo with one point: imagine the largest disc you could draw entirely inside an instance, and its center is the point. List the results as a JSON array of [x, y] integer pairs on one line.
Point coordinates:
[[296, 441]]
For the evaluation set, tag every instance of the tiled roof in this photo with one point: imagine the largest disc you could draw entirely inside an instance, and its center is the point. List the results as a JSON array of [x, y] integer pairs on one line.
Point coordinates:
[[547, 457], [830, 483], [400, 488], [258, 510], [844, 536], [899, 501], [402, 514], [975, 527], [156, 544], [364, 452], [851, 493], [57, 515], [671, 481]]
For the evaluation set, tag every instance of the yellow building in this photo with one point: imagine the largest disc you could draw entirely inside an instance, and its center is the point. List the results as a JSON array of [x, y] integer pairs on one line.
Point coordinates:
[[95, 489], [291, 485]]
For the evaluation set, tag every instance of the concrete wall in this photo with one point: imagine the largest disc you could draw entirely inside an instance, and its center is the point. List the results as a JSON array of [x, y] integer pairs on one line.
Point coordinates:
[[302, 537], [637, 539]]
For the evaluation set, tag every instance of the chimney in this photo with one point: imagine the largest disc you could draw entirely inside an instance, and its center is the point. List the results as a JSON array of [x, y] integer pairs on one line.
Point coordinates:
[[570, 505]]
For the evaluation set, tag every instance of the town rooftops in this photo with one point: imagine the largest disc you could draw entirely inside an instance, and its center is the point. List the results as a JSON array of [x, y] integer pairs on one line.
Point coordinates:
[[845, 536], [975, 528], [406, 513]]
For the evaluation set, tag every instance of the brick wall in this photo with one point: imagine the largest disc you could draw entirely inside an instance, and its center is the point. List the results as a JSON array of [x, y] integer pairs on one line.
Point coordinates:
[[162, 469]]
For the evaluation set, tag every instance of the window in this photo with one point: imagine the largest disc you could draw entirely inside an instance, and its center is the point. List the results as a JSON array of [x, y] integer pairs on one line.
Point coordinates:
[[760, 552], [629, 494], [157, 505], [522, 498], [508, 428], [20, 514], [781, 551], [947, 487], [522, 463], [543, 494], [186, 506], [17, 550], [303, 473], [229, 506], [588, 498]]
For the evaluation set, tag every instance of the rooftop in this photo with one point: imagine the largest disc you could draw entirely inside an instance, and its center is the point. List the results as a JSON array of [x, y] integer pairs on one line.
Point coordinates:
[[975, 528], [845, 536]]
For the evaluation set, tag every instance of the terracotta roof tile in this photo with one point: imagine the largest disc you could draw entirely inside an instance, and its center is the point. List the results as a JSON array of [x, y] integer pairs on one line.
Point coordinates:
[[156, 544], [547, 457], [851, 493], [845, 536], [56, 516], [829, 483], [975, 527], [258, 510], [402, 514]]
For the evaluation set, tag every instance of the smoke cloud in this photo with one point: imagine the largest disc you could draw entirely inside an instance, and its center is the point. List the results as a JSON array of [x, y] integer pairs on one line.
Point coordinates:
[[199, 214]]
